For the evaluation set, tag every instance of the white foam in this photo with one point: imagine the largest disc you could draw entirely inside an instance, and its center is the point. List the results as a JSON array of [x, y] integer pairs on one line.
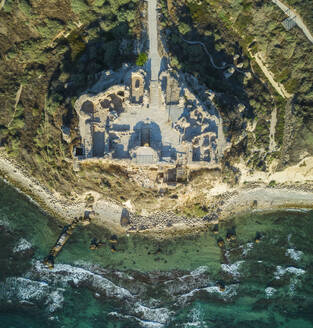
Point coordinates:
[[280, 271], [200, 270], [196, 320], [246, 248], [26, 291], [56, 300], [142, 323], [159, 315], [232, 269], [22, 245], [5, 222], [294, 254], [229, 292], [269, 291], [65, 274]]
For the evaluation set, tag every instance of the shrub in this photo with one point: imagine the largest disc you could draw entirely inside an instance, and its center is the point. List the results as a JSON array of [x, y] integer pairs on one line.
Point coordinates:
[[142, 59]]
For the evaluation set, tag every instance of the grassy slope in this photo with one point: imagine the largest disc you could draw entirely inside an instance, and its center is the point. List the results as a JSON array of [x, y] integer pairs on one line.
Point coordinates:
[[226, 24], [54, 49]]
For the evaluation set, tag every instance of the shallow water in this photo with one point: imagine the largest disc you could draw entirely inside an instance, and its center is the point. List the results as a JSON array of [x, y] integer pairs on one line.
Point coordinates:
[[147, 283]]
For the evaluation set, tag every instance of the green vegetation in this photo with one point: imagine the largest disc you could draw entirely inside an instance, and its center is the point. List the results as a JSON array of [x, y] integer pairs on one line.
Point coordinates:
[[142, 59], [55, 50], [196, 210], [305, 9], [245, 27]]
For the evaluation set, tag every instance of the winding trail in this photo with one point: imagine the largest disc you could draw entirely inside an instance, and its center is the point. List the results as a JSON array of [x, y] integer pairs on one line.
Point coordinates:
[[210, 56], [296, 17]]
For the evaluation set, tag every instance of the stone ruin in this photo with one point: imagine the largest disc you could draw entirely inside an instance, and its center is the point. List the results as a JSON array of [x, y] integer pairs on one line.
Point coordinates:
[[137, 88], [119, 124]]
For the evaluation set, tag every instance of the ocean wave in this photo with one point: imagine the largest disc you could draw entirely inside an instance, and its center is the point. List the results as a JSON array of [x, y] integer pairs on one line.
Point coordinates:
[[22, 246], [295, 273], [294, 254], [4, 221], [159, 315], [246, 248], [142, 323], [280, 271], [195, 316], [36, 293], [269, 292], [65, 274], [232, 269], [195, 279], [200, 270], [229, 292]]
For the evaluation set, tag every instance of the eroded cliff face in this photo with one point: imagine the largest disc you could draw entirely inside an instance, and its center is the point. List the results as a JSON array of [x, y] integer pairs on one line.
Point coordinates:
[[54, 54]]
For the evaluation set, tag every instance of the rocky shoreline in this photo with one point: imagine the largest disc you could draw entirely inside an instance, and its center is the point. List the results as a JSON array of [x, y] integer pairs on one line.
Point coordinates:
[[225, 204]]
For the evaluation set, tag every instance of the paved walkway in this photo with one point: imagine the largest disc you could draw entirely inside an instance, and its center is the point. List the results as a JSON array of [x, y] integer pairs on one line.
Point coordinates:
[[298, 20], [153, 39], [154, 57]]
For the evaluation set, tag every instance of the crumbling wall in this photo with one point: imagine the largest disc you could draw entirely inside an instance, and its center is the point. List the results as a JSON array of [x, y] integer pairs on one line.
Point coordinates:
[[137, 88]]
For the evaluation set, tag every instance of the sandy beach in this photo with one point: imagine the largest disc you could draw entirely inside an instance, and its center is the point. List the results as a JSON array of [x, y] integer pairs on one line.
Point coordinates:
[[230, 201]]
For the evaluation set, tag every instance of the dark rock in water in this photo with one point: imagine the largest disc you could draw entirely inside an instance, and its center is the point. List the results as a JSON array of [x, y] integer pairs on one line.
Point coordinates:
[[231, 236], [158, 251], [221, 285], [94, 244], [220, 242], [210, 217], [125, 218], [113, 239], [258, 237], [215, 229]]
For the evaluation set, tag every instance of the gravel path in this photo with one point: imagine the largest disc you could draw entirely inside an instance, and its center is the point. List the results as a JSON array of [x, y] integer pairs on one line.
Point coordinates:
[[297, 18]]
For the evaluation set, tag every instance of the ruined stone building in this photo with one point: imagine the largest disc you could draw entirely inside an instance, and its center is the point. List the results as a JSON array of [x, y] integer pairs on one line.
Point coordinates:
[[123, 123]]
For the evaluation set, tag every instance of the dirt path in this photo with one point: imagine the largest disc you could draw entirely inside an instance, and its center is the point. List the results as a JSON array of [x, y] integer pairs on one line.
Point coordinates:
[[278, 86], [17, 100], [211, 58], [296, 17], [2, 3], [266, 199], [272, 130]]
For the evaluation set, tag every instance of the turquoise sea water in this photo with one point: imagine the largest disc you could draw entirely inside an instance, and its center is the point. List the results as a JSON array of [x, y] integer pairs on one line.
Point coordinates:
[[148, 283]]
